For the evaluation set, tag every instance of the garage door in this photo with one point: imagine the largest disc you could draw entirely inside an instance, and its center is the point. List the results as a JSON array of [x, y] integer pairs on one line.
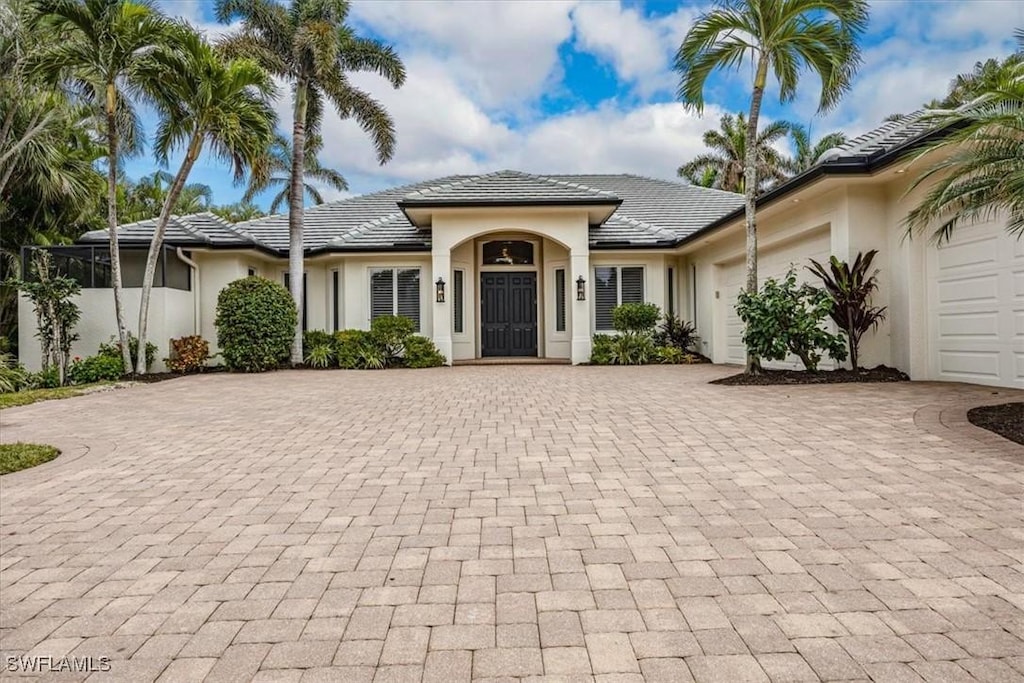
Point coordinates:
[[976, 307], [774, 263]]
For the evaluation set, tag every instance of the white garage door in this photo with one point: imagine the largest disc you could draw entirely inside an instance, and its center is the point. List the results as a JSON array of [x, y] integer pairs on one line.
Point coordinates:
[[976, 307], [770, 263]]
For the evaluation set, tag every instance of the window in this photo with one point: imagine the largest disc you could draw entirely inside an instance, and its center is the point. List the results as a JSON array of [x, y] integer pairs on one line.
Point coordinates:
[[395, 291], [508, 253], [671, 291], [458, 279], [89, 266], [614, 285], [287, 285], [335, 291], [252, 271], [560, 300]]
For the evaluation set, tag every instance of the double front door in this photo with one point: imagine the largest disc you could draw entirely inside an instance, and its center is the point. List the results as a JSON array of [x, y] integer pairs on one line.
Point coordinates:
[[508, 303]]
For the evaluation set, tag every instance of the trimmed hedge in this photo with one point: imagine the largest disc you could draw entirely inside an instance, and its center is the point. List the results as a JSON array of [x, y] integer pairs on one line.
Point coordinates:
[[255, 324]]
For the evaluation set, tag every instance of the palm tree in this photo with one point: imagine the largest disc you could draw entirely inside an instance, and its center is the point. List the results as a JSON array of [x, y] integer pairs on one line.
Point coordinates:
[[980, 173], [98, 48], [725, 163], [145, 198], [308, 44], [784, 37], [237, 212], [207, 101], [275, 171], [807, 154]]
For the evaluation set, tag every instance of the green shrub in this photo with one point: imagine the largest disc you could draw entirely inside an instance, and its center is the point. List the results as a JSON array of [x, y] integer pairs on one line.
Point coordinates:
[[45, 379], [188, 354], [99, 368], [112, 349], [311, 338], [255, 324], [670, 355], [784, 318], [632, 348], [677, 333], [320, 356], [389, 333], [420, 352], [601, 349], [635, 317], [12, 375], [371, 357], [349, 346]]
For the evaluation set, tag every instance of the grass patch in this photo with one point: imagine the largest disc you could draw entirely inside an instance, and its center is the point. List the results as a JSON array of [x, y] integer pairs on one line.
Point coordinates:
[[20, 456], [24, 398]]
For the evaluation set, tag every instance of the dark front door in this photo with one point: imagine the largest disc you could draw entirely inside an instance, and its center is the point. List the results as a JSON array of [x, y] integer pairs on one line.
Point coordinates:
[[508, 303]]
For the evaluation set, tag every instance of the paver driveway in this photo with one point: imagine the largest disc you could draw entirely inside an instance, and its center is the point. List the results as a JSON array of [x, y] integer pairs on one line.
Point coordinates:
[[501, 522]]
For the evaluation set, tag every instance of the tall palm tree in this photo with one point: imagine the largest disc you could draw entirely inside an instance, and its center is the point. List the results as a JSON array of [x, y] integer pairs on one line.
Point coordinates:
[[981, 169], [98, 48], [308, 44], [237, 212], [276, 170], [784, 37], [725, 161], [808, 153], [205, 101]]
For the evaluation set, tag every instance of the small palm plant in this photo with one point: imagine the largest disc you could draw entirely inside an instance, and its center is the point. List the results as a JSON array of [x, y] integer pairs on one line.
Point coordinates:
[[850, 288]]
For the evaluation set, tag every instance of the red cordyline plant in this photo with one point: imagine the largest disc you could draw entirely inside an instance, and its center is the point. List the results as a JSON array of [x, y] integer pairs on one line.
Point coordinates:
[[850, 288]]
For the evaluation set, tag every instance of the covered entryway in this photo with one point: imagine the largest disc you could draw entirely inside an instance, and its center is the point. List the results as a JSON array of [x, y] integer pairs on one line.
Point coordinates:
[[508, 314]]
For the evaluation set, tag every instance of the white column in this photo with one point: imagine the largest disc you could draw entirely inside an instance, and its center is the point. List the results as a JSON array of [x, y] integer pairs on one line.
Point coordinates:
[[441, 266], [579, 265]]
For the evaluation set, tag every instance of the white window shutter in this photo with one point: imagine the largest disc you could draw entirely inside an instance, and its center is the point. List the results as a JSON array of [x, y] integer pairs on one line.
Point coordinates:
[[632, 285], [382, 292], [409, 294], [606, 294]]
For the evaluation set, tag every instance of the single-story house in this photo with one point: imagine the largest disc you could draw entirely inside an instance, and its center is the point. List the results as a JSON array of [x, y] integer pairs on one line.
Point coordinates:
[[523, 264]]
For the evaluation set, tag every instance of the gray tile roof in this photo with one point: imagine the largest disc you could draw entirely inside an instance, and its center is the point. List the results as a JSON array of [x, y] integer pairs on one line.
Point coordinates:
[[886, 138], [507, 188], [193, 229]]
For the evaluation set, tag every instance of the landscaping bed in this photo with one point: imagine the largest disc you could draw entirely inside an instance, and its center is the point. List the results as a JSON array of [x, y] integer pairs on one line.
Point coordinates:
[[21, 456], [1006, 420], [841, 376]]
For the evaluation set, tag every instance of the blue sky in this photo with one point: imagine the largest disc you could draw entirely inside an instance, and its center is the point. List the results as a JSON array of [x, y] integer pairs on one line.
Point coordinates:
[[569, 86]]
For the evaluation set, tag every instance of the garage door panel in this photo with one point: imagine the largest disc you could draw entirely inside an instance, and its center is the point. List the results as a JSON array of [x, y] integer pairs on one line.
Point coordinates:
[[976, 307]]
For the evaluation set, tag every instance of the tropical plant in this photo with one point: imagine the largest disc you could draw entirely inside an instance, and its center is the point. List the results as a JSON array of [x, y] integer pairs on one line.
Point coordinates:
[[99, 48], [808, 152], [12, 375], [632, 348], [349, 346], [785, 318], [52, 297], [635, 317], [601, 349], [980, 171], [786, 38], [420, 352], [676, 333], [320, 356], [311, 338], [308, 44], [724, 162], [274, 171], [850, 288], [237, 212], [254, 322], [206, 101], [98, 368], [669, 355], [188, 354], [146, 198], [389, 333], [112, 349]]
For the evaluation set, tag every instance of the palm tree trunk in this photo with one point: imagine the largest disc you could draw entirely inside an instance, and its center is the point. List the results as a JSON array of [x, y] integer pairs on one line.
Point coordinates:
[[115, 253], [295, 261], [750, 192], [156, 245]]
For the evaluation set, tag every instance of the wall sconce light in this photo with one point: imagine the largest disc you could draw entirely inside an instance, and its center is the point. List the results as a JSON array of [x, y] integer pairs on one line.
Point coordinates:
[[581, 289], [440, 290]]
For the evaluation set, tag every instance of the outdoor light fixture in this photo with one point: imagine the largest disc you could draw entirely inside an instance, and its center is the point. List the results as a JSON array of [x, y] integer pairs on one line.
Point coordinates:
[[440, 290], [581, 289]]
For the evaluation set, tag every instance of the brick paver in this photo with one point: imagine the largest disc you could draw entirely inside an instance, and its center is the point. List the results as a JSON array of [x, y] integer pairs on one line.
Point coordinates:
[[516, 522]]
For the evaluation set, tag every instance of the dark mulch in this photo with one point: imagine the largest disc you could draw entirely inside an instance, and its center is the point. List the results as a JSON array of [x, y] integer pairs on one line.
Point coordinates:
[[1006, 420], [841, 376], [151, 377]]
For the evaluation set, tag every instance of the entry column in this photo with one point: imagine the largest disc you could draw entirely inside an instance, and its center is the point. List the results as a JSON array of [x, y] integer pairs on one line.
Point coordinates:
[[579, 260], [441, 267]]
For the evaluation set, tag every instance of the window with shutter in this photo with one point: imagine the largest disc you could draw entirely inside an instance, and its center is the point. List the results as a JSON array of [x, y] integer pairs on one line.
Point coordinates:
[[632, 285], [458, 280], [382, 292], [606, 296], [560, 300], [409, 295]]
